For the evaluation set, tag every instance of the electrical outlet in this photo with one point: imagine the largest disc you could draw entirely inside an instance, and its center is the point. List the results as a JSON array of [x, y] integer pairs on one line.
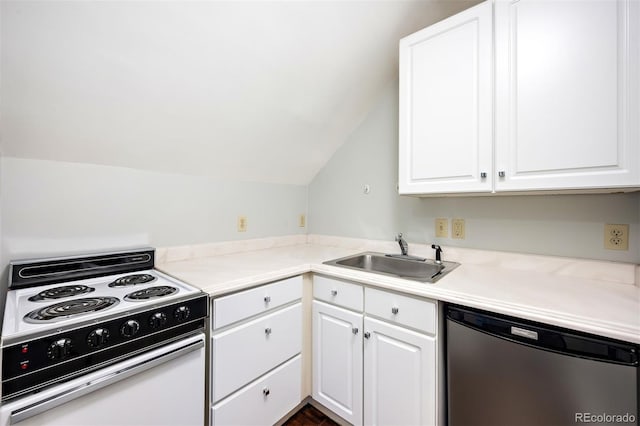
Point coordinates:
[[616, 236], [302, 221], [457, 228], [442, 227], [242, 224]]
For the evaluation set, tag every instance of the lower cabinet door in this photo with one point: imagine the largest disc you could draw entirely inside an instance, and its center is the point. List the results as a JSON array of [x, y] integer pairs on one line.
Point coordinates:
[[337, 360], [399, 376], [264, 401]]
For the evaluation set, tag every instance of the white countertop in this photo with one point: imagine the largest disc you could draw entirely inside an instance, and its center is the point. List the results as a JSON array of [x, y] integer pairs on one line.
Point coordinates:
[[591, 296]]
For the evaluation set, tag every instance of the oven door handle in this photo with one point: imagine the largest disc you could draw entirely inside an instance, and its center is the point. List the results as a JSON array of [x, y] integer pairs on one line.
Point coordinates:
[[93, 385]]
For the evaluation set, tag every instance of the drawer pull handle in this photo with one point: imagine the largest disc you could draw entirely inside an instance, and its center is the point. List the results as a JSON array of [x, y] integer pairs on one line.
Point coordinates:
[[395, 311], [266, 391], [267, 331], [367, 335], [354, 330], [334, 292], [267, 299]]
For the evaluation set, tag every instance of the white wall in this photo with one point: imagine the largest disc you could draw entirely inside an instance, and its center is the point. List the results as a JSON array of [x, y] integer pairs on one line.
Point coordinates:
[[564, 225], [51, 208]]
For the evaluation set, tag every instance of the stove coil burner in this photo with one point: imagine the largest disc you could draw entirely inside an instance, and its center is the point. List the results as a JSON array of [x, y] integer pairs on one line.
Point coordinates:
[[61, 292], [63, 310], [130, 280], [151, 293]]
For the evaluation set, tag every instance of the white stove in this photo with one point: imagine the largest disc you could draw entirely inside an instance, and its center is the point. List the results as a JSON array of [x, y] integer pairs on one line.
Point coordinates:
[[70, 317]]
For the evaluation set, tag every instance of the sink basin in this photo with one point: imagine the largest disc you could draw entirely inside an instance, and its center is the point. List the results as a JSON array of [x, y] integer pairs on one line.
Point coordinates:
[[396, 266]]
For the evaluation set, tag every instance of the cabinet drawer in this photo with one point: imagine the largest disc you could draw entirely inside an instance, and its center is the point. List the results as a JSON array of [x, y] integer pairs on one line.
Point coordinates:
[[236, 307], [264, 401], [403, 310], [338, 292], [242, 354]]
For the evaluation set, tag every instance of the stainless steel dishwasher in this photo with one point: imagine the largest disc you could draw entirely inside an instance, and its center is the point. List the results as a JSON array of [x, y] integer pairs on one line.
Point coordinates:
[[507, 371]]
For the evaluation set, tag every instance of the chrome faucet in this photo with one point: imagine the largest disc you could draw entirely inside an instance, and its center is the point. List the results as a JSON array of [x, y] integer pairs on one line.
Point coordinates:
[[404, 247]]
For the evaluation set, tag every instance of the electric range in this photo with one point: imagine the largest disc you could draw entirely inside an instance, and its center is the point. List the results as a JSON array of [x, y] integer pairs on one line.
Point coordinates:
[[66, 317]]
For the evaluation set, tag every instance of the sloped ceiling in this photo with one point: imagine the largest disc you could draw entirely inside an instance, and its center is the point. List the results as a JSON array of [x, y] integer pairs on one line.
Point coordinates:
[[258, 91]]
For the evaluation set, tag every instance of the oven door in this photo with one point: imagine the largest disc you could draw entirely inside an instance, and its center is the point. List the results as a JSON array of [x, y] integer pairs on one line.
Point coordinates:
[[162, 387]]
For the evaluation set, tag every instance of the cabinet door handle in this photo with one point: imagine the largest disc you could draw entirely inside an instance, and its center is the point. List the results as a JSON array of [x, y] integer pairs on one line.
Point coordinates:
[[354, 330], [501, 173], [334, 292], [367, 335], [267, 331], [266, 391], [394, 310], [483, 175], [267, 299]]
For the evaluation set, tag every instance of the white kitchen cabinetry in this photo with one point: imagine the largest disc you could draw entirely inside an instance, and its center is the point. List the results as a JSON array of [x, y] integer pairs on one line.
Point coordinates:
[[445, 105], [565, 92], [399, 376], [264, 401], [385, 373], [337, 360], [255, 354]]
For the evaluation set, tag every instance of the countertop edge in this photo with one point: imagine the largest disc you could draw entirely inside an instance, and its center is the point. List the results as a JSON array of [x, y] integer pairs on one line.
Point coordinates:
[[233, 286]]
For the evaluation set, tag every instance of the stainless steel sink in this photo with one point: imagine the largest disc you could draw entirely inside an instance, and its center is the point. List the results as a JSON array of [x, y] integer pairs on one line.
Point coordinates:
[[396, 266]]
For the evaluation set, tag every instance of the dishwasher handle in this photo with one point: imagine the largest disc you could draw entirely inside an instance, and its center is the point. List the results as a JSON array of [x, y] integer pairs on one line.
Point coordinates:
[[100, 382], [546, 337]]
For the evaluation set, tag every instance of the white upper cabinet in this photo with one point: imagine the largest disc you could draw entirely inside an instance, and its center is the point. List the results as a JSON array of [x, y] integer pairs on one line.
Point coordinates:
[[559, 110], [445, 105], [567, 94]]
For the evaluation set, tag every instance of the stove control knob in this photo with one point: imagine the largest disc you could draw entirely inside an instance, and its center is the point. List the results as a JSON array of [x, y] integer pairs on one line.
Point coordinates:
[[130, 328], [182, 313], [98, 337], [157, 320], [59, 349]]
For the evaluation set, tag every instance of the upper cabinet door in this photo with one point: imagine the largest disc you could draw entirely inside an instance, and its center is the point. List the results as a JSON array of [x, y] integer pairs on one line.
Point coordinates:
[[446, 105], [567, 91]]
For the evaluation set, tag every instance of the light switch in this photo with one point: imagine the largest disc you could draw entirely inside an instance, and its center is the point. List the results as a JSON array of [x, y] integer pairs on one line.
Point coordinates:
[[442, 227]]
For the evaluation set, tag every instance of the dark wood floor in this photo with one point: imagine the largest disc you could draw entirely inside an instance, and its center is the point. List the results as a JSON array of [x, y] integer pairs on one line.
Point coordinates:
[[309, 415]]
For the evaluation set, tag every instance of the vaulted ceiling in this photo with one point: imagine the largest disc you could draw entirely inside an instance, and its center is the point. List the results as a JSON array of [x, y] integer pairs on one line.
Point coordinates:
[[257, 91]]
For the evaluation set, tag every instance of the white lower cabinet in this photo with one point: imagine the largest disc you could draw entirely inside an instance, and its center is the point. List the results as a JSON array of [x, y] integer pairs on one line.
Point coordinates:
[[337, 360], [245, 352], [256, 345], [377, 366], [399, 376], [264, 401]]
